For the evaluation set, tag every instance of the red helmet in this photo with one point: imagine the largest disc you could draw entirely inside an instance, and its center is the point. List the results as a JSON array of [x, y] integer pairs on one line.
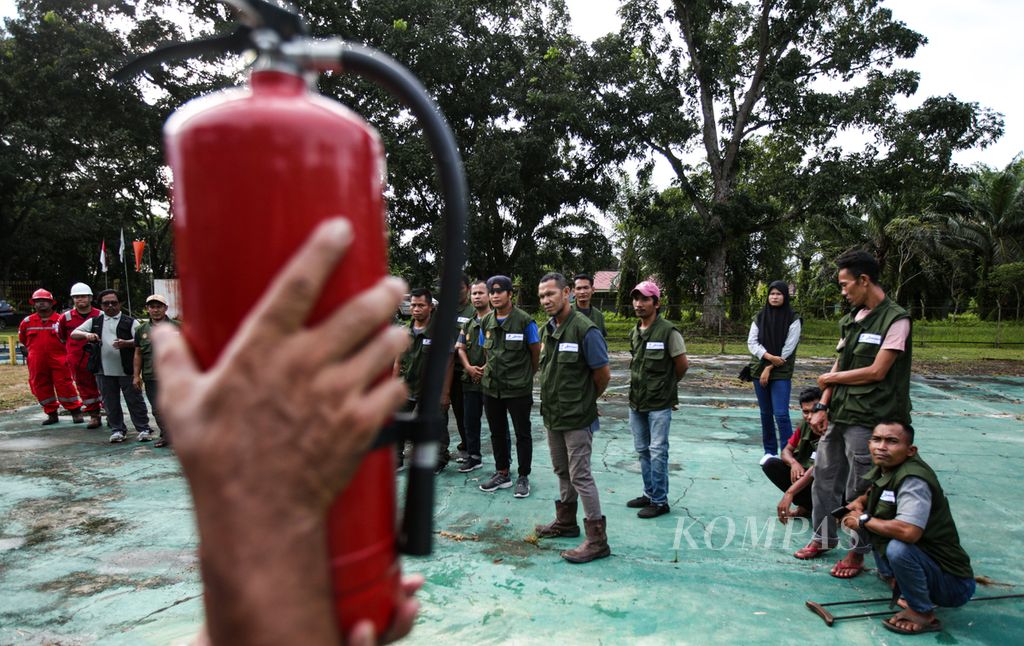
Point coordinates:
[[42, 294]]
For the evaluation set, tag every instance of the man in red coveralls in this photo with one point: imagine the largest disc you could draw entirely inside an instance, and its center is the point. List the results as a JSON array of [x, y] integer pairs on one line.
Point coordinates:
[[47, 360], [78, 362]]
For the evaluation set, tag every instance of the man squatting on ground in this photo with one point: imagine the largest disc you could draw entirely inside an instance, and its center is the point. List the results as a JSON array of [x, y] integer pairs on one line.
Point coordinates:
[[869, 382], [78, 360], [793, 471], [48, 374], [658, 363], [143, 374], [574, 372], [115, 334], [413, 362], [583, 290], [914, 539], [471, 357], [511, 345]]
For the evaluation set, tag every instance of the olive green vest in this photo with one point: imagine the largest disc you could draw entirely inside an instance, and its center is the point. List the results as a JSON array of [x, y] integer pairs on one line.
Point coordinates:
[[414, 360], [596, 316], [652, 372], [807, 447], [474, 352], [464, 316], [940, 539], [887, 400], [568, 396], [509, 369], [145, 345]]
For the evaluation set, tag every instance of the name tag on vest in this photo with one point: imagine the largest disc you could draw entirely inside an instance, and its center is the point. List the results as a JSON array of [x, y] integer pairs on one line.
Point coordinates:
[[655, 345], [426, 341], [814, 455], [463, 320], [865, 337], [568, 347], [514, 337], [888, 496]]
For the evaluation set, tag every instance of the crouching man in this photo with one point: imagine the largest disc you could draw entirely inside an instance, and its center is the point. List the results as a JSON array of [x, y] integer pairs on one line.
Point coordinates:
[[914, 538]]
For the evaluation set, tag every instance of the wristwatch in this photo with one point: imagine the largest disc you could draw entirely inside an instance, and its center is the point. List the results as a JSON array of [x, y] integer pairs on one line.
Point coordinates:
[[819, 407], [863, 518]]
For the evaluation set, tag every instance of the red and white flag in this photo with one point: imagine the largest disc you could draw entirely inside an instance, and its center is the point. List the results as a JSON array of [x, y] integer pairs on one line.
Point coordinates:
[[103, 256]]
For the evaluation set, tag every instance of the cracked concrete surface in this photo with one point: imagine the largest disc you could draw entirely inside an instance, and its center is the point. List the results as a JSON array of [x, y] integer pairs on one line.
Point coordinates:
[[97, 542]]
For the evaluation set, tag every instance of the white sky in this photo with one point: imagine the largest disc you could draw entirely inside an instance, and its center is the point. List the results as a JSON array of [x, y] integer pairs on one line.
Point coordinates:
[[974, 51]]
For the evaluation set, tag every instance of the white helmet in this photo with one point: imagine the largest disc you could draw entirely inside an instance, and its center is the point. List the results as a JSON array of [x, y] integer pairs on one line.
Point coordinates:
[[80, 289]]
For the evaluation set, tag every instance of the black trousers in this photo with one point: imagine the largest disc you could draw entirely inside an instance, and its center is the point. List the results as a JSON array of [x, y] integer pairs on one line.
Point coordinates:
[[472, 412], [457, 399], [778, 472], [498, 411], [443, 440], [151, 395]]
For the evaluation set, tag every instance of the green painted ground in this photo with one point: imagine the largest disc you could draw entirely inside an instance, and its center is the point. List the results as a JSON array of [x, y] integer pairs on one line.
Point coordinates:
[[96, 541]]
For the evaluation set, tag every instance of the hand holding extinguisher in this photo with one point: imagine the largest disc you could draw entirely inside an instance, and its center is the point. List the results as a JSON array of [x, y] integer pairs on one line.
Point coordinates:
[[255, 170]]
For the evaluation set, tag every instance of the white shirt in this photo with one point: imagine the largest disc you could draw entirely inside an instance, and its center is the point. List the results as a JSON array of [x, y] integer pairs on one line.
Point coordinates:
[[109, 355], [792, 340]]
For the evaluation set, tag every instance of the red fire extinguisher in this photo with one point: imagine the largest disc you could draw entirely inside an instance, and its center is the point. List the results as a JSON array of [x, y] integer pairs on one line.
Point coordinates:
[[255, 169]]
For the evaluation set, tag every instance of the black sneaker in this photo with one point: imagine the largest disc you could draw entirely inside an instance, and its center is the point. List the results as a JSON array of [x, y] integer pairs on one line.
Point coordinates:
[[442, 462], [498, 481], [653, 511], [471, 464], [637, 503], [461, 456], [522, 487]]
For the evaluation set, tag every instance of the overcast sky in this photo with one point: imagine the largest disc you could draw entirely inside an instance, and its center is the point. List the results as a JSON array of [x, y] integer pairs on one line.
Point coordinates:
[[974, 51]]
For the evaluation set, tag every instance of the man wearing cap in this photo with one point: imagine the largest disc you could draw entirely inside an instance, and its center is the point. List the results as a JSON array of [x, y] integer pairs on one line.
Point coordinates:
[[114, 333], [658, 363], [511, 345], [574, 372], [78, 360], [471, 356], [156, 305], [47, 360], [583, 290]]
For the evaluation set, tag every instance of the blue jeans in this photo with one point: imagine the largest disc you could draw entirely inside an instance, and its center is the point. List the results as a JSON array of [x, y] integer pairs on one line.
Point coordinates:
[[922, 582], [774, 404], [650, 438]]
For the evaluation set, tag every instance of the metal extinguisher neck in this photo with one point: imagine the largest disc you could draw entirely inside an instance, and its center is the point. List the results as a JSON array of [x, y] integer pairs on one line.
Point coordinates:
[[278, 82]]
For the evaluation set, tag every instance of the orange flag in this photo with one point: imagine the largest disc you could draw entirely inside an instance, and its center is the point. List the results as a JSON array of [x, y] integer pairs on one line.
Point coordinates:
[[138, 245]]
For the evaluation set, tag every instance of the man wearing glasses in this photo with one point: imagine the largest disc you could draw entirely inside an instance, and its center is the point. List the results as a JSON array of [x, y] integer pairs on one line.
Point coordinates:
[[115, 334]]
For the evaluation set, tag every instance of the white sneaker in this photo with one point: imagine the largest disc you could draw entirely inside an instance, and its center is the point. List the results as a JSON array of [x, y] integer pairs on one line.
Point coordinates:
[[144, 436], [767, 456], [116, 437]]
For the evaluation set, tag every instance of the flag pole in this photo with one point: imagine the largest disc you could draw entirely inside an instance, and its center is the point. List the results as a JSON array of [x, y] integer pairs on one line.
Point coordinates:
[[127, 290]]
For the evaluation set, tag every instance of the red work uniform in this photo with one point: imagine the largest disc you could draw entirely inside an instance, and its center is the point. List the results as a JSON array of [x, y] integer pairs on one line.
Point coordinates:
[[47, 364], [78, 362]]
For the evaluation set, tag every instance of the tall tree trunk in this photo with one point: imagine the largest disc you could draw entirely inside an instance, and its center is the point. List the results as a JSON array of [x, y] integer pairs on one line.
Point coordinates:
[[714, 289]]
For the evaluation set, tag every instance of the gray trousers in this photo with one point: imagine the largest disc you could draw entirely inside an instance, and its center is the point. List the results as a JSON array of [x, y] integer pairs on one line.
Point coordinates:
[[570, 458], [152, 392], [111, 389], [839, 468]]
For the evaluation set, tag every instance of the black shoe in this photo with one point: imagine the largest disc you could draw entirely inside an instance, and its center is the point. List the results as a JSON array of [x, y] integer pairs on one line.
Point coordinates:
[[441, 464], [498, 481], [51, 418], [637, 503], [161, 443], [653, 511], [471, 464]]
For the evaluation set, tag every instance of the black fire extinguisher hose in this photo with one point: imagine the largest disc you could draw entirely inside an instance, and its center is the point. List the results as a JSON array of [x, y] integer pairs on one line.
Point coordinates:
[[416, 533]]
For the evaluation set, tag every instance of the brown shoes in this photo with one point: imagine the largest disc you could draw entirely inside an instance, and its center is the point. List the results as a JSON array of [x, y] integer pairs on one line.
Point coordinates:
[[51, 418], [564, 523], [76, 416], [594, 546], [94, 422]]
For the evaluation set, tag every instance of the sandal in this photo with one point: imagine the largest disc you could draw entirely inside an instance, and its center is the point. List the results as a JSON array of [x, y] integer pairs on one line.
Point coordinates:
[[812, 550], [931, 627], [854, 568]]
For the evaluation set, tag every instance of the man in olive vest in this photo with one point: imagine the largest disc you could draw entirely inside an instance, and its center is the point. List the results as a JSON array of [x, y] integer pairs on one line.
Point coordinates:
[[658, 363], [144, 374], [793, 471], [413, 362], [114, 332], [574, 372], [583, 290], [908, 520], [472, 359], [869, 382], [465, 313], [511, 345]]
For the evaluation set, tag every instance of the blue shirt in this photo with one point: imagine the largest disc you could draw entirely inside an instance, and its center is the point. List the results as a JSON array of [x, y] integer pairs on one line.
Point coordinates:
[[595, 349]]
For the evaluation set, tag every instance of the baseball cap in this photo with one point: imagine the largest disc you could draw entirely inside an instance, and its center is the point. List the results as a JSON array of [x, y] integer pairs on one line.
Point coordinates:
[[156, 297], [647, 288], [499, 282]]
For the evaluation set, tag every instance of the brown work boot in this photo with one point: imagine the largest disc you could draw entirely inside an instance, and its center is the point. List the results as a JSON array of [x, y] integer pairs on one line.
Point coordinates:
[[94, 421], [564, 523], [594, 546], [51, 418], [76, 416]]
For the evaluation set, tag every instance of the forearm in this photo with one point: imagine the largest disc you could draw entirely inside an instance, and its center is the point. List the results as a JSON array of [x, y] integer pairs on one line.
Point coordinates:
[[894, 529], [138, 363], [264, 572], [464, 358], [601, 378], [802, 483]]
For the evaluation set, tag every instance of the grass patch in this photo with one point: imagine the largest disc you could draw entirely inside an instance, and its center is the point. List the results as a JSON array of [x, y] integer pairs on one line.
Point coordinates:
[[14, 390]]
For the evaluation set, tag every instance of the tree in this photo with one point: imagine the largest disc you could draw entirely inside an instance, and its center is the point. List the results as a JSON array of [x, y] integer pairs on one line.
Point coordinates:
[[712, 75]]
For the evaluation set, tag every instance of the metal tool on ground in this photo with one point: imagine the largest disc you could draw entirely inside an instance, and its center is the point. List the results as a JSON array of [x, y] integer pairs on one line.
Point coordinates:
[[820, 608]]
